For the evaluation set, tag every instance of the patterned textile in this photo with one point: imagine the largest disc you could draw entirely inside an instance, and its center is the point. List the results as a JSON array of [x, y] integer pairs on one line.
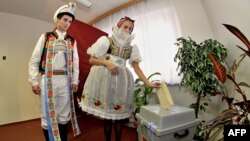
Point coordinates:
[[50, 106]]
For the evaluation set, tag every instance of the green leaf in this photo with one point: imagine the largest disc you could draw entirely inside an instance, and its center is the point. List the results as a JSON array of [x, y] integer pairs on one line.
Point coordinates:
[[156, 73], [137, 91], [148, 90]]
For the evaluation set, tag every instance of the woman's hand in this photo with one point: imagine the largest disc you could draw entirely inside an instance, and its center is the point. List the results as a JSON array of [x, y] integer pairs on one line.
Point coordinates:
[[154, 84], [111, 67]]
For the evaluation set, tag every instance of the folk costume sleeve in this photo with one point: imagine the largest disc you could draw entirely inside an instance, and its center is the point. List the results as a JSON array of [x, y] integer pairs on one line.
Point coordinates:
[[35, 60], [135, 55], [99, 48], [75, 65]]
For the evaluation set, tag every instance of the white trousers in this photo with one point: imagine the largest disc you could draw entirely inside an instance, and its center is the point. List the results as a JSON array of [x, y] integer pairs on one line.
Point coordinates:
[[61, 99]]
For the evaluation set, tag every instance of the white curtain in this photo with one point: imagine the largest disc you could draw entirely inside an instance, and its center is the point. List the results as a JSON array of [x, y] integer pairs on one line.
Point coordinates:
[[156, 29]]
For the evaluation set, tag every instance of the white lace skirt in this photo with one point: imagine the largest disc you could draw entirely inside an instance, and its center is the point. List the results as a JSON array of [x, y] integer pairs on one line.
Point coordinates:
[[109, 96]]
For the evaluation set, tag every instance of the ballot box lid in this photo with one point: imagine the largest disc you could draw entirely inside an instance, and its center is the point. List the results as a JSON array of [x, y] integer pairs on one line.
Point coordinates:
[[161, 121]]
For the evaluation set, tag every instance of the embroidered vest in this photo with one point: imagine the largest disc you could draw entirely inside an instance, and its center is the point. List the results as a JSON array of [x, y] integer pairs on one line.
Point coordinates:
[[114, 49], [46, 42]]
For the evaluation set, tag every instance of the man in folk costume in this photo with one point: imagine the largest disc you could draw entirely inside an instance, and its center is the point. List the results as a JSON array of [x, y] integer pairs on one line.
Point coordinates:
[[55, 56]]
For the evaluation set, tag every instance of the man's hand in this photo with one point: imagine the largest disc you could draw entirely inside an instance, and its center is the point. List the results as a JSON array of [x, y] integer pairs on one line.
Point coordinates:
[[74, 87], [36, 89]]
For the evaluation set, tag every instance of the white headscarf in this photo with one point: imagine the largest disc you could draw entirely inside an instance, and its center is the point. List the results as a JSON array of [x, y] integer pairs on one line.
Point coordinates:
[[122, 38]]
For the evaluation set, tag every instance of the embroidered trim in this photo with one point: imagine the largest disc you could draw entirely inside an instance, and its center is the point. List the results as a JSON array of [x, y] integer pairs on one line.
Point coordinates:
[[123, 52], [50, 105], [51, 114], [76, 129]]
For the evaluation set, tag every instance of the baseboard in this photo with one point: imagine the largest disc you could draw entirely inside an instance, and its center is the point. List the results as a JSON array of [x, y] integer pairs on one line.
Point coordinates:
[[19, 122]]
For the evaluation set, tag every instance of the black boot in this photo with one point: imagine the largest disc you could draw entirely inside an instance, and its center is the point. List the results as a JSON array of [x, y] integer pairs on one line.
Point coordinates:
[[63, 129], [46, 134]]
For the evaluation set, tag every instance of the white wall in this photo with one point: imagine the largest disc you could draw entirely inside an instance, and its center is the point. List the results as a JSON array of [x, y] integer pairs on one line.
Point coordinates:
[[194, 19], [18, 36]]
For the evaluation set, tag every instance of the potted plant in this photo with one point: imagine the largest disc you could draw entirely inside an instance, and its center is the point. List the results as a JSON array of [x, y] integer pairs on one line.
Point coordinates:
[[238, 109], [142, 93], [197, 69]]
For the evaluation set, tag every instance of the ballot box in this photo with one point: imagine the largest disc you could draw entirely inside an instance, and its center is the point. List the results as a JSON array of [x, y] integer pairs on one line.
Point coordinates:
[[177, 123]]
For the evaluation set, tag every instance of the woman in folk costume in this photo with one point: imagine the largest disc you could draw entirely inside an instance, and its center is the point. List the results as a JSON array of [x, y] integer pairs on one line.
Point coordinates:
[[108, 90], [55, 57]]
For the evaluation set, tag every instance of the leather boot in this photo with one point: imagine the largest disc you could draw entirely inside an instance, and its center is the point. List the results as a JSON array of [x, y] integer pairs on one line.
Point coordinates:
[[63, 129], [46, 134]]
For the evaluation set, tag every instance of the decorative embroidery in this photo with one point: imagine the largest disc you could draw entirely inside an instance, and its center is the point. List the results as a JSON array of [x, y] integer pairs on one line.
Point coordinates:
[[115, 50], [118, 61], [126, 53], [51, 114], [117, 107], [76, 129], [50, 107], [98, 103], [44, 53], [123, 52]]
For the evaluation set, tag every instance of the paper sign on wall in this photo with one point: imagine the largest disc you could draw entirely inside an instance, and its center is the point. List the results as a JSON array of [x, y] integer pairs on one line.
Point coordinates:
[[164, 96]]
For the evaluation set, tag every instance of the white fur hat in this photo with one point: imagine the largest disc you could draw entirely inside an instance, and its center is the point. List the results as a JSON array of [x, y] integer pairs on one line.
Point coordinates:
[[70, 8]]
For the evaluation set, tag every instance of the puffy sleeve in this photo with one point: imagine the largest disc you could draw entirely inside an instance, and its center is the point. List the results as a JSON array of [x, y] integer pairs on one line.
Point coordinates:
[[135, 55], [99, 48]]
